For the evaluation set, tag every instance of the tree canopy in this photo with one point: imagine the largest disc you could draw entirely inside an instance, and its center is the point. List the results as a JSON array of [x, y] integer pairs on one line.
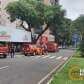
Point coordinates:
[[78, 26], [24, 11], [36, 13]]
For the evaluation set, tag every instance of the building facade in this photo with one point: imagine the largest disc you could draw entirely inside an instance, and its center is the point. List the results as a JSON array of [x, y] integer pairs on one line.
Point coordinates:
[[3, 15], [6, 22]]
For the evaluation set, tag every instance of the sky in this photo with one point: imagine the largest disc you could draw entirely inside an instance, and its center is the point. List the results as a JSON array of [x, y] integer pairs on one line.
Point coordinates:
[[73, 8]]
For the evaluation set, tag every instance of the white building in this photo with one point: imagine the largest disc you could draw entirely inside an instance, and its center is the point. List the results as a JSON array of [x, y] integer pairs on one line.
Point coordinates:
[[8, 34], [3, 15]]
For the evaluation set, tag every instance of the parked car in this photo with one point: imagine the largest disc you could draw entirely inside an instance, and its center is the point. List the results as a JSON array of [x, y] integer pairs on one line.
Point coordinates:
[[31, 49], [52, 47], [3, 50]]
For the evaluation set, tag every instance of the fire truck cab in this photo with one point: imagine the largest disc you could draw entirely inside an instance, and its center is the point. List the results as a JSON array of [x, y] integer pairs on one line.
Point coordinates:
[[4, 50]]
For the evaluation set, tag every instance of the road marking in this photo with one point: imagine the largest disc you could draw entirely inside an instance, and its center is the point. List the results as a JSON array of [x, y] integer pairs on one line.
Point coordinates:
[[3, 67], [54, 70], [45, 56], [65, 58], [59, 70], [58, 57], [49, 74], [36, 57], [52, 57]]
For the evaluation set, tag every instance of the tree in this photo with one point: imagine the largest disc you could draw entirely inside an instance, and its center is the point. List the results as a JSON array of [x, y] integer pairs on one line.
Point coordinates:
[[23, 11], [78, 26], [28, 11], [66, 30], [53, 18], [35, 14]]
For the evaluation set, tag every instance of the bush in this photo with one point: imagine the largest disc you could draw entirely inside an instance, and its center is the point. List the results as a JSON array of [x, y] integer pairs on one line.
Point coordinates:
[[82, 47]]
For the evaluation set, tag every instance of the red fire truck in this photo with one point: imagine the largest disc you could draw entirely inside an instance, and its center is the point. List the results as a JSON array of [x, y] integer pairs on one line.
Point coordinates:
[[4, 50], [51, 45], [32, 49]]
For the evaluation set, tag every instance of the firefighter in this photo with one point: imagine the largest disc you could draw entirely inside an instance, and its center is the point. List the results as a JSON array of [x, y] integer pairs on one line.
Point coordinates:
[[12, 51], [45, 48]]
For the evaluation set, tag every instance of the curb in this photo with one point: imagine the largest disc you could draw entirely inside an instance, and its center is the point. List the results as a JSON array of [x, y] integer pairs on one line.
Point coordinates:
[[60, 69], [48, 78]]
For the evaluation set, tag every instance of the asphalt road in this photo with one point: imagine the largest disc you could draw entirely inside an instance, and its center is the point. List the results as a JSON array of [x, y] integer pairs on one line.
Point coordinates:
[[30, 70]]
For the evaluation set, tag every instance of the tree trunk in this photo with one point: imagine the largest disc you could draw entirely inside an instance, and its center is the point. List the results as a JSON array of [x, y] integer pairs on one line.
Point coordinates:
[[29, 29], [42, 33], [23, 26]]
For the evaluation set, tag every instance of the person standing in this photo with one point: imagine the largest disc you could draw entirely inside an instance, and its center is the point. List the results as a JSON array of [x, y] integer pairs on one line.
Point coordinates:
[[45, 48], [12, 51]]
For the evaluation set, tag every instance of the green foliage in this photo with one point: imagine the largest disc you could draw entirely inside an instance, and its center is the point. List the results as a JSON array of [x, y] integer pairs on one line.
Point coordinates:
[[35, 13], [62, 77], [78, 25], [81, 48], [67, 30], [23, 11], [54, 17]]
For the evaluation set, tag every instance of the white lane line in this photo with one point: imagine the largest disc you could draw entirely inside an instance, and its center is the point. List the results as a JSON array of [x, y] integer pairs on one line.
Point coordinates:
[[58, 57], [45, 56], [65, 58], [3, 67], [52, 57], [36, 57], [39, 57]]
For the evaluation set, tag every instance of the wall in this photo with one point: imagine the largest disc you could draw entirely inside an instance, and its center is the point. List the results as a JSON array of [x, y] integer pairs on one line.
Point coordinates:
[[3, 15]]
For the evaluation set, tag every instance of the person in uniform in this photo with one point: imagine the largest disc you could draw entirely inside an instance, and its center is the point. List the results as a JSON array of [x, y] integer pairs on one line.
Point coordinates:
[[12, 51]]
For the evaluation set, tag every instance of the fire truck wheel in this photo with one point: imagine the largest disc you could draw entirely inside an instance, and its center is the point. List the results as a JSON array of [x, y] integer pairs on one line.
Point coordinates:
[[25, 54]]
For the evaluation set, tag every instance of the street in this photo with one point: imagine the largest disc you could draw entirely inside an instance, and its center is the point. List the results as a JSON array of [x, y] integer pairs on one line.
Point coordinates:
[[38, 38], [30, 70]]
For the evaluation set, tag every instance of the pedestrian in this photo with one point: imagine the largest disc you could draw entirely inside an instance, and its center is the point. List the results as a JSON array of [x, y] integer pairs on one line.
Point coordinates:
[[45, 48], [12, 51]]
